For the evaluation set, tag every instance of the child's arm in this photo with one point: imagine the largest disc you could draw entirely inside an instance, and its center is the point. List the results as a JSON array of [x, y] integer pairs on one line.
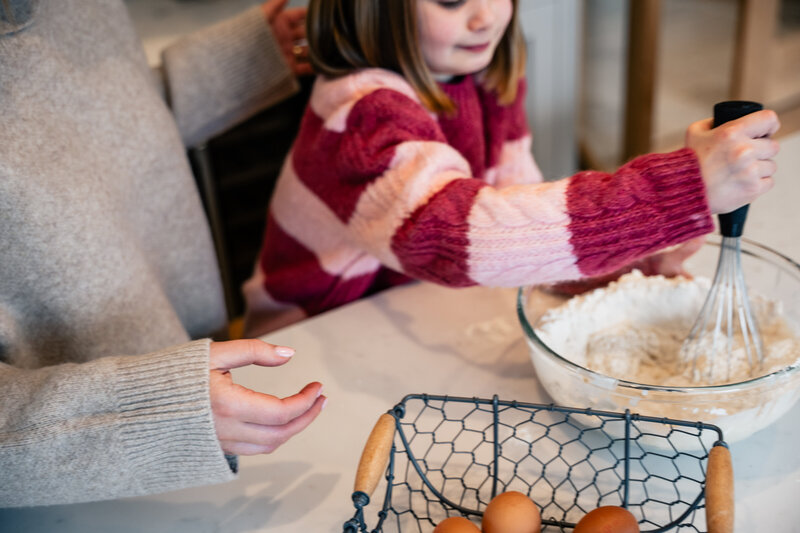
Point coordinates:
[[735, 161], [590, 224], [383, 167]]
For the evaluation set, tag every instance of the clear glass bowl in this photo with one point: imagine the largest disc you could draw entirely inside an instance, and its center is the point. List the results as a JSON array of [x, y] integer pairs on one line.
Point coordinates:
[[739, 409]]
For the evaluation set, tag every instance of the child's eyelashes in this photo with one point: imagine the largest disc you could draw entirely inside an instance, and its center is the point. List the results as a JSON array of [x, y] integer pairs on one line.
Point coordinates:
[[451, 4]]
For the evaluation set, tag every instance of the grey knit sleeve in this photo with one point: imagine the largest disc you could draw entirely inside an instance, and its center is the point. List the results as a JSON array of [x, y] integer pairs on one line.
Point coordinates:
[[224, 74], [114, 427]]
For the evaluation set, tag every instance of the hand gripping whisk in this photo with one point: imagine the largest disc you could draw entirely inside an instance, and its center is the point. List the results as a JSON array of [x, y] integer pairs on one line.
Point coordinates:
[[726, 326]]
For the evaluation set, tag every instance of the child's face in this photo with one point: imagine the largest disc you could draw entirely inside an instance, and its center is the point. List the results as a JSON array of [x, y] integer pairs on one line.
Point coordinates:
[[460, 36]]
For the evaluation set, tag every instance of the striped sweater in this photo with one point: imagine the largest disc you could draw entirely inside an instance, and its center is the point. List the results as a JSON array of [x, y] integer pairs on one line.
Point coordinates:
[[377, 190]]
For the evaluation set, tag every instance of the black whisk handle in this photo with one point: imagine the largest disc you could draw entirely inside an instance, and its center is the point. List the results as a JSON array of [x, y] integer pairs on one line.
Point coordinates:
[[733, 109], [732, 224]]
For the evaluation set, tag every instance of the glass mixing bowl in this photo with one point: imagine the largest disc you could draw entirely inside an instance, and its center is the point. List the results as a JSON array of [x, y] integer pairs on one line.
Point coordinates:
[[739, 409]]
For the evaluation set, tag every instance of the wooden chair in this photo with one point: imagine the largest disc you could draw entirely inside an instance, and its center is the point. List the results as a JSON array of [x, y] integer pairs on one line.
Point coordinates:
[[236, 173], [766, 67], [767, 60]]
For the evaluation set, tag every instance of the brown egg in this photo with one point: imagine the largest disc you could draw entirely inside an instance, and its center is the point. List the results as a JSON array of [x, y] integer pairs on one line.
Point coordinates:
[[511, 512], [456, 524], [607, 519]]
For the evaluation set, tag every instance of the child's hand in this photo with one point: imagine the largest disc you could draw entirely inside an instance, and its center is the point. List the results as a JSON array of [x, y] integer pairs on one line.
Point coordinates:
[[249, 422], [668, 263], [289, 28], [735, 158]]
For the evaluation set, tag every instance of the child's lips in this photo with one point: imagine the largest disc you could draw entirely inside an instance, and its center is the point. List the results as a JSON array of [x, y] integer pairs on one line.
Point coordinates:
[[475, 48]]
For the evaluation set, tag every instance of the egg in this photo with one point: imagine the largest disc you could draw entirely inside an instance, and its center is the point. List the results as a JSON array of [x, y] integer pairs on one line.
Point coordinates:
[[511, 512], [456, 524], [607, 519]]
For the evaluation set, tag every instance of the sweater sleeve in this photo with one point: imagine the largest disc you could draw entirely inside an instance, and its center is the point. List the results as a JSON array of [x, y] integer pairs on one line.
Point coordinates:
[[511, 153], [224, 74], [115, 427], [589, 224], [409, 199]]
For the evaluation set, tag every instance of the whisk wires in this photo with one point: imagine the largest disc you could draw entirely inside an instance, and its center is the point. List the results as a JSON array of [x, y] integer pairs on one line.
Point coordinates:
[[726, 323]]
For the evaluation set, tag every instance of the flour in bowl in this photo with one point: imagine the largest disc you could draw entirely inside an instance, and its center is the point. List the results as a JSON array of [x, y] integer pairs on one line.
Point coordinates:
[[633, 330]]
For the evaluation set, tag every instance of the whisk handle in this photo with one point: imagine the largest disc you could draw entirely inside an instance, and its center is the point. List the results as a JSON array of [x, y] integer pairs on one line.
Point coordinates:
[[732, 224], [733, 109]]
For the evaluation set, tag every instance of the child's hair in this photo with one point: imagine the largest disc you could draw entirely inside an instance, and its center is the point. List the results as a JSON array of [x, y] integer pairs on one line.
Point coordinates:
[[347, 35]]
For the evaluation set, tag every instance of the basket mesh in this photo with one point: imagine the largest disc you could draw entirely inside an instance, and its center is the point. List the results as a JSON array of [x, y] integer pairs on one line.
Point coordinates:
[[452, 455]]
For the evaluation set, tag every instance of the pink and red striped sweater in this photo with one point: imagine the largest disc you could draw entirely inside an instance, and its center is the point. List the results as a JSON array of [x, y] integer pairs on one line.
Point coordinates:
[[377, 190]]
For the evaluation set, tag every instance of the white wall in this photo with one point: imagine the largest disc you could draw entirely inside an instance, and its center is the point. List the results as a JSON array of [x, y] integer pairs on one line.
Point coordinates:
[[552, 30]]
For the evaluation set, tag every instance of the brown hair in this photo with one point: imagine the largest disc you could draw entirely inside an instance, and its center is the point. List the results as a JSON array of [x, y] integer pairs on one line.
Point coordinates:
[[347, 35]]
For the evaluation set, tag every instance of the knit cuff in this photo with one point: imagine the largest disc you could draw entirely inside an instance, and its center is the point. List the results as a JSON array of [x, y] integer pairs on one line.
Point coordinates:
[[657, 200], [681, 194], [224, 74], [166, 424]]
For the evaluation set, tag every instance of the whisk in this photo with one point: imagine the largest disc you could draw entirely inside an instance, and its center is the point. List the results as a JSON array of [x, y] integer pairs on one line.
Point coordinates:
[[726, 326]]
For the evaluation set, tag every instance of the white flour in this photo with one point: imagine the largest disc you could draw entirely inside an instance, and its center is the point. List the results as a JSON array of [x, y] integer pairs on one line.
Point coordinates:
[[633, 330]]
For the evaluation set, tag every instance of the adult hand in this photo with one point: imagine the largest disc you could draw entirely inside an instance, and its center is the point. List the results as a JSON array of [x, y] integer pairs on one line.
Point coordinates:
[[289, 28], [735, 158], [249, 422]]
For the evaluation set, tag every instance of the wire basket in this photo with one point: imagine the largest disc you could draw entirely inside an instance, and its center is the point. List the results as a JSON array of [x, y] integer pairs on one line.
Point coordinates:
[[446, 456]]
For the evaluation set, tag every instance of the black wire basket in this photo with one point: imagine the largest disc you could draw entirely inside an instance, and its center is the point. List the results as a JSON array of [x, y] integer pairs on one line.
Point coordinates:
[[446, 456]]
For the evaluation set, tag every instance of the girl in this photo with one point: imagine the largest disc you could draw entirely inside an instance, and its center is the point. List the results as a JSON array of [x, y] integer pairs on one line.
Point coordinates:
[[413, 161]]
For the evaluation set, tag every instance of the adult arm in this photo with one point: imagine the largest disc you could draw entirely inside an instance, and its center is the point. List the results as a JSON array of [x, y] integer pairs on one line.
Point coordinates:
[[221, 75], [131, 425], [114, 427]]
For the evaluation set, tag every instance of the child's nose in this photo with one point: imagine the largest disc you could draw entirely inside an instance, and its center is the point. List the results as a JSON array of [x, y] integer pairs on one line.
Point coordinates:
[[482, 16]]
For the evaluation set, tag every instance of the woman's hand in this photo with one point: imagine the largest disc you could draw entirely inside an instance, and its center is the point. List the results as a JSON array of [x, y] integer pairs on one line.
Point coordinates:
[[289, 28], [249, 422], [735, 158]]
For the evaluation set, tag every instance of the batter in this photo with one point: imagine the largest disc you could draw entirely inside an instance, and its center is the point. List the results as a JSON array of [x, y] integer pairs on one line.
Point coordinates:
[[633, 330]]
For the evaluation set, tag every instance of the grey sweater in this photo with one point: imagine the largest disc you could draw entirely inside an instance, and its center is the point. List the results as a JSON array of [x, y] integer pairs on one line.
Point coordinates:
[[107, 267]]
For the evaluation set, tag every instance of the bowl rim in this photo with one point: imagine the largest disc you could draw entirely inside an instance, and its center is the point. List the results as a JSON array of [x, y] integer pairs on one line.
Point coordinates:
[[531, 335]]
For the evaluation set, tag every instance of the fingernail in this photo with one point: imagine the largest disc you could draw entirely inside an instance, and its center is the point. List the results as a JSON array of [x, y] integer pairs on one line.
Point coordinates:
[[324, 403], [319, 392], [284, 351]]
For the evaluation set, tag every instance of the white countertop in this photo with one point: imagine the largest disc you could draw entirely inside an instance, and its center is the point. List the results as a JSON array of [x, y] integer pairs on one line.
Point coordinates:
[[419, 338]]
